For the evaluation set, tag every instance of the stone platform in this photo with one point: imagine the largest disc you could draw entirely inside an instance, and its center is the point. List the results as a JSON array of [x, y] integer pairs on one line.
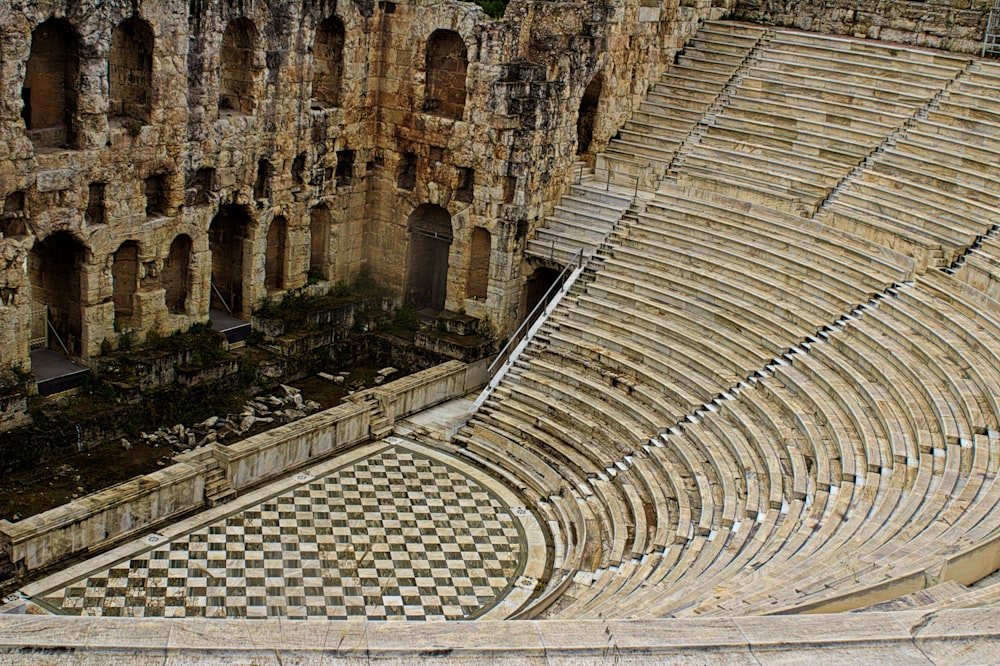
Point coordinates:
[[390, 531]]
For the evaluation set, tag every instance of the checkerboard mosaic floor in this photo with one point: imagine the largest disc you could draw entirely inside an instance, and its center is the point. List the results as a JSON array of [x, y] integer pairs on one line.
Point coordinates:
[[394, 535]]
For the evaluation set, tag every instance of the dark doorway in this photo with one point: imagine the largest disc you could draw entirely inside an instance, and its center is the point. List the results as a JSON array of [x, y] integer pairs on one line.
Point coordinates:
[[54, 266], [274, 263], [176, 274], [537, 286], [430, 242], [51, 83], [226, 239], [588, 115], [125, 278]]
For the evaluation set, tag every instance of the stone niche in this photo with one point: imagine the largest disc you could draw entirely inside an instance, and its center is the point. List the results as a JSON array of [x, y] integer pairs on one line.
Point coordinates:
[[162, 159]]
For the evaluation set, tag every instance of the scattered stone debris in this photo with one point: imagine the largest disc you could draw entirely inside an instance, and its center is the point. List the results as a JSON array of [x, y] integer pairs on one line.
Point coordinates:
[[284, 407]]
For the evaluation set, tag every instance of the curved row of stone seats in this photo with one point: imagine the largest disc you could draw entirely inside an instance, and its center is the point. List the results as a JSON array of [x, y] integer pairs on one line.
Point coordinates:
[[599, 375], [582, 219], [907, 474], [909, 534], [791, 131], [931, 194], [980, 267], [645, 145], [679, 101]]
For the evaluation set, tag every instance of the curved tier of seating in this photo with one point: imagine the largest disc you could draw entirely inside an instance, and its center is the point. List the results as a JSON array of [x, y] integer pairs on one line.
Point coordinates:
[[809, 110], [738, 410], [930, 195]]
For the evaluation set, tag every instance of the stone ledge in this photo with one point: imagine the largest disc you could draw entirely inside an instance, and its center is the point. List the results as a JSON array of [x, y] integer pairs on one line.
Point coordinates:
[[955, 636]]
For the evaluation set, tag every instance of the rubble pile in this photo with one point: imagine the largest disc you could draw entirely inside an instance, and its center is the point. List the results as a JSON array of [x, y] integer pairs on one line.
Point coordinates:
[[284, 407]]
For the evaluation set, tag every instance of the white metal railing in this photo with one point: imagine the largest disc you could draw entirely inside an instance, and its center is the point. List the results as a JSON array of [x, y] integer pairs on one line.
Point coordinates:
[[221, 299], [526, 331]]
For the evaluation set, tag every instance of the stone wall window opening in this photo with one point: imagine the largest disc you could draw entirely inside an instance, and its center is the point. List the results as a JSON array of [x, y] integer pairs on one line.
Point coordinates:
[[199, 187], [125, 278], [274, 259], [465, 189], [236, 67], [155, 189], [94, 215], [54, 271], [226, 241], [51, 85], [430, 241], [177, 274], [407, 177], [130, 71], [345, 167], [478, 278], [262, 184], [14, 218], [299, 169], [588, 115], [328, 63], [320, 227], [446, 62]]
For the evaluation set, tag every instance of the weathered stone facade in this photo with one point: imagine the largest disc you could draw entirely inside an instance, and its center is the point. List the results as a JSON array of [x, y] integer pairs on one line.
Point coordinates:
[[159, 159], [952, 25]]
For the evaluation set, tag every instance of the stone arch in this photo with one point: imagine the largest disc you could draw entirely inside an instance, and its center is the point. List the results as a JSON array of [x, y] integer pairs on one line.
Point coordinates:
[[51, 84], [588, 115], [430, 244], [130, 70], [177, 274], [54, 268], [446, 63], [236, 67], [320, 226], [328, 63], [125, 277], [479, 264], [274, 261], [227, 237]]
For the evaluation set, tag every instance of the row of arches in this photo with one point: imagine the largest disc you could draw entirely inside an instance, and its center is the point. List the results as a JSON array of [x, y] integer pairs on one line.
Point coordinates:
[[57, 268], [50, 91]]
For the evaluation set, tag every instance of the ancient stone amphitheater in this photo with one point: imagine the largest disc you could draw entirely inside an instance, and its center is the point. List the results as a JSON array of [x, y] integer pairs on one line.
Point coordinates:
[[762, 422]]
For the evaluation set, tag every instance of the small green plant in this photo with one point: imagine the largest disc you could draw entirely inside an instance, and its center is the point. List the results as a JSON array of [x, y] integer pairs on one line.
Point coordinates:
[[406, 319], [493, 8]]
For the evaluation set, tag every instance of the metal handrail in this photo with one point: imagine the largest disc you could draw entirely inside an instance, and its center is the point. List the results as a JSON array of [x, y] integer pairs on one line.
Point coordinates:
[[219, 294], [576, 261]]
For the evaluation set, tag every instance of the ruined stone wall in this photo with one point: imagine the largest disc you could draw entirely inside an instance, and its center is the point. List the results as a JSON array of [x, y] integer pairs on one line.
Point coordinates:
[[263, 145], [953, 25]]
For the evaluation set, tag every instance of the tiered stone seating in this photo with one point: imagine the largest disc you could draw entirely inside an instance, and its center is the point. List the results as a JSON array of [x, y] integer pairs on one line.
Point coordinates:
[[754, 412], [809, 110], [930, 194], [647, 143]]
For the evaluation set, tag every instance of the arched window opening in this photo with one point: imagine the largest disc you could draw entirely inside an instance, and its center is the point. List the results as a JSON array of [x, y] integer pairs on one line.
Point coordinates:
[[446, 64], [236, 67], [226, 240], [176, 274], [479, 264], [320, 223], [430, 243], [274, 262], [54, 267], [130, 70], [328, 63], [588, 115], [51, 83], [125, 277]]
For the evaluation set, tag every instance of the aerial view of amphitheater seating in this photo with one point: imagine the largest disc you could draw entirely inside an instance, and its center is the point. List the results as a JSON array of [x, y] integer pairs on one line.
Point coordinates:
[[773, 389], [773, 386]]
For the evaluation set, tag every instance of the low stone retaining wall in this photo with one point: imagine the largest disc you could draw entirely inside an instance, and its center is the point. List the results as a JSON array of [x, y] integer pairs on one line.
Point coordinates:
[[124, 510], [421, 390]]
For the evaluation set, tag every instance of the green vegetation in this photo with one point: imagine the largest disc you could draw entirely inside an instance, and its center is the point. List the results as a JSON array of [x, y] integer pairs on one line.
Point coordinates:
[[493, 8], [299, 312]]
